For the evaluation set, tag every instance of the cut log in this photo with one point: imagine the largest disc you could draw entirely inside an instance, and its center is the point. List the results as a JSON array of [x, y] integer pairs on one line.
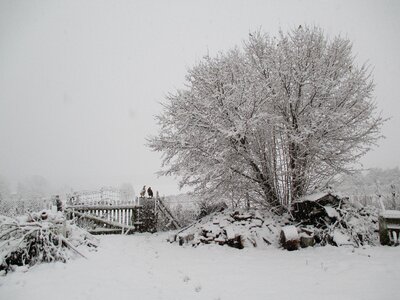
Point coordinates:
[[220, 240], [185, 239], [230, 233], [241, 217], [256, 223], [289, 238], [224, 223], [307, 241]]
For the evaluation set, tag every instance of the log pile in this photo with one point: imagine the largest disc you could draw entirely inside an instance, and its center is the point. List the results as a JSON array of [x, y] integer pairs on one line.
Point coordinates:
[[317, 221], [40, 237], [238, 229]]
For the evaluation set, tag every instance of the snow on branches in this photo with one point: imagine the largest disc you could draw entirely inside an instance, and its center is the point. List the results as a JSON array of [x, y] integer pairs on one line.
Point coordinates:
[[271, 121]]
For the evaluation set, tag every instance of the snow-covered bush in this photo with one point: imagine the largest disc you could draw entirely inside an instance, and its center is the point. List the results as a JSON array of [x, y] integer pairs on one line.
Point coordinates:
[[371, 186], [184, 215], [207, 207], [32, 194]]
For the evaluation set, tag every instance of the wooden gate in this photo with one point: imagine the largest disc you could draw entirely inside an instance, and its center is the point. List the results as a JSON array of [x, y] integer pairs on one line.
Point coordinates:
[[124, 218], [106, 218]]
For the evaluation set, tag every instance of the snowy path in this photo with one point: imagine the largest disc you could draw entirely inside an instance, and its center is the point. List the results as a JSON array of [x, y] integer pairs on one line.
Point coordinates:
[[146, 267]]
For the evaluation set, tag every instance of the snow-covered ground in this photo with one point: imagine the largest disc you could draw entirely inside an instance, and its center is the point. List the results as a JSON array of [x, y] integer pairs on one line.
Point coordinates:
[[147, 267]]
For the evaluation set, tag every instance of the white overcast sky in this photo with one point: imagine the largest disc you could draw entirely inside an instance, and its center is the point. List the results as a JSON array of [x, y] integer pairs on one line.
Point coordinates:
[[81, 81]]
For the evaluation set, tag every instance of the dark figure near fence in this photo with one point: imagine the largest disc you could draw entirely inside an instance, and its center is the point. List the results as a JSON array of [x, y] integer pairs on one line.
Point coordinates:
[[58, 203], [150, 192]]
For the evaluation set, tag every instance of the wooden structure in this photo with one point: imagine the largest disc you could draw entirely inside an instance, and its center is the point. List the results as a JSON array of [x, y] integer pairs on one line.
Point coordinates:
[[140, 215], [389, 227]]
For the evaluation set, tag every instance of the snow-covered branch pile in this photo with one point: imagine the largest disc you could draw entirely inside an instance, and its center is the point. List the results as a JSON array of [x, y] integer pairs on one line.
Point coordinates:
[[40, 237], [352, 226], [239, 229], [337, 222]]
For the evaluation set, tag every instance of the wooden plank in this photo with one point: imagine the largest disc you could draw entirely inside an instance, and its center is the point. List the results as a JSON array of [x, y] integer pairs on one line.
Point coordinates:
[[125, 211], [105, 231], [393, 226], [167, 213]]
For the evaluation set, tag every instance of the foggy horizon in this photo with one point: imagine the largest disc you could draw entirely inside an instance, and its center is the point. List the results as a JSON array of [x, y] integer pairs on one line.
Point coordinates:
[[81, 81]]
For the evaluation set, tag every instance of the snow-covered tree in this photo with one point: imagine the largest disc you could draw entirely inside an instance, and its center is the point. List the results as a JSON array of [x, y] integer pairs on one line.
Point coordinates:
[[270, 121], [5, 199], [4, 189], [369, 186]]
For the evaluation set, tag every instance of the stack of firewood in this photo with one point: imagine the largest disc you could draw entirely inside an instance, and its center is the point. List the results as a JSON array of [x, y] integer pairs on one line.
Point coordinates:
[[237, 229], [336, 224], [40, 237]]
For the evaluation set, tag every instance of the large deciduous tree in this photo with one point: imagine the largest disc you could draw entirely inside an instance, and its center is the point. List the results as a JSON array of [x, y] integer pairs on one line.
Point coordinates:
[[270, 121]]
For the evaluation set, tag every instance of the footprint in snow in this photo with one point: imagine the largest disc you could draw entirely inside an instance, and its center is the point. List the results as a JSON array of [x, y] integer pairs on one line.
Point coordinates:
[[186, 279], [197, 289]]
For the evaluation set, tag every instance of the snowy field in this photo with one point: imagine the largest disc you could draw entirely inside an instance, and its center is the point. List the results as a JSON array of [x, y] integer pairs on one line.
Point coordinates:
[[147, 267]]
